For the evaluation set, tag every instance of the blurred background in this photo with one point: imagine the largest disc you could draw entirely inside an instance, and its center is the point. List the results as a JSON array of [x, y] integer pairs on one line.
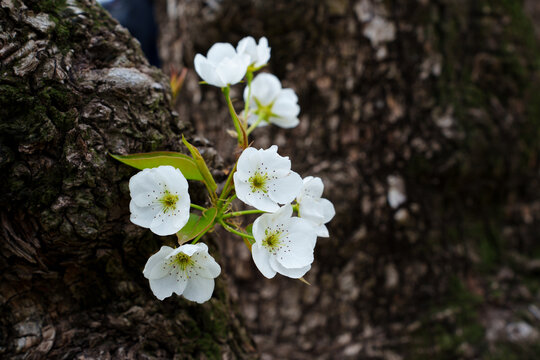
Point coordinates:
[[435, 102]]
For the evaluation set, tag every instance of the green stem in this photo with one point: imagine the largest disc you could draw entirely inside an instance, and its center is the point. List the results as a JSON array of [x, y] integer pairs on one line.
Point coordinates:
[[229, 200], [227, 187], [241, 213], [198, 237], [230, 229], [240, 129], [197, 207], [255, 124], [249, 77]]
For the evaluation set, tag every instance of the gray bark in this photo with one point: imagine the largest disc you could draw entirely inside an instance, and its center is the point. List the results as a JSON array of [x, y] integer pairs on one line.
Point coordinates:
[[74, 86], [442, 94]]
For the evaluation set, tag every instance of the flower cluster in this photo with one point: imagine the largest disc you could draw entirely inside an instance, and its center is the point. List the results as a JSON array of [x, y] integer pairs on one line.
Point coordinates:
[[292, 213]]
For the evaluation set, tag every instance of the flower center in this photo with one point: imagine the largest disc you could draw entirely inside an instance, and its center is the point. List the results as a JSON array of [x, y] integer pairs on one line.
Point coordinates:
[[264, 111], [271, 240], [168, 201], [183, 261], [258, 182]]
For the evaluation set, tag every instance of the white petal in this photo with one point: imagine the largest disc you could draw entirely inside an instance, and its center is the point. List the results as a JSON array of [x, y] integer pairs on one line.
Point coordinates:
[[313, 187], [141, 185], [248, 161], [232, 70], [296, 249], [161, 270], [169, 223], [263, 52], [287, 94], [268, 221], [294, 273], [156, 259], [190, 249], [322, 231], [262, 261], [259, 225], [246, 45], [310, 209], [206, 266], [207, 71], [172, 178], [142, 216], [327, 209], [286, 123], [265, 88], [199, 289], [271, 160], [257, 199], [286, 109], [219, 52], [284, 190], [284, 213], [319, 211], [165, 286]]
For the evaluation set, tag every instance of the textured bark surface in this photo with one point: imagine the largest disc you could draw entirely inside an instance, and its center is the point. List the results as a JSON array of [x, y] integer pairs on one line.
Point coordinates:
[[74, 86], [436, 97]]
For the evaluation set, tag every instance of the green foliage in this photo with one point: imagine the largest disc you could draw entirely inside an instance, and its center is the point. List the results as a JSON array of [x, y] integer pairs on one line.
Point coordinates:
[[197, 225], [182, 162], [203, 168]]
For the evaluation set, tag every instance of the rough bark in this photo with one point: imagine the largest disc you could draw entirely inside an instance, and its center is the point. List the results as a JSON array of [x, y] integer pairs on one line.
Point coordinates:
[[74, 86], [443, 95]]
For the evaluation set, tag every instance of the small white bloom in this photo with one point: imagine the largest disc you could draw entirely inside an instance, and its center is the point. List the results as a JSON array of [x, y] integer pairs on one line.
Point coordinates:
[[276, 105], [283, 244], [263, 179], [259, 54], [312, 207], [159, 200], [222, 66], [187, 270]]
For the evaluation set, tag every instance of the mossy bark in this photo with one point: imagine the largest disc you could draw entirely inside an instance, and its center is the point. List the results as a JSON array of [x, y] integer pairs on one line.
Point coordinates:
[[437, 96], [74, 86]]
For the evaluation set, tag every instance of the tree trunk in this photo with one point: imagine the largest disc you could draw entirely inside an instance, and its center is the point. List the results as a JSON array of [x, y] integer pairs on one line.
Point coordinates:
[[437, 99], [74, 86]]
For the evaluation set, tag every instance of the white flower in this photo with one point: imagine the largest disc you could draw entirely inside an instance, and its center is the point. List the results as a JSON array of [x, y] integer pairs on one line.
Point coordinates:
[[264, 179], [259, 54], [187, 270], [159, 200], [283, 244], [312, 207], [276, 105], [222, 66]]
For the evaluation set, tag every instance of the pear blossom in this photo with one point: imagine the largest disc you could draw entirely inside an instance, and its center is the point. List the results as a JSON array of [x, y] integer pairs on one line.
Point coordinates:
[[264, 179], [223, 66], [312, 207], [159, 200], [187, 270], [259, 53], [274, 104], [283, 244]]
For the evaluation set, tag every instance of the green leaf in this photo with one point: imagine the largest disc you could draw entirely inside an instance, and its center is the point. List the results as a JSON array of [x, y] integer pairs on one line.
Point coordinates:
[[197, 225], [249, 230], [248, 241], [203, 168], [184, 163]]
